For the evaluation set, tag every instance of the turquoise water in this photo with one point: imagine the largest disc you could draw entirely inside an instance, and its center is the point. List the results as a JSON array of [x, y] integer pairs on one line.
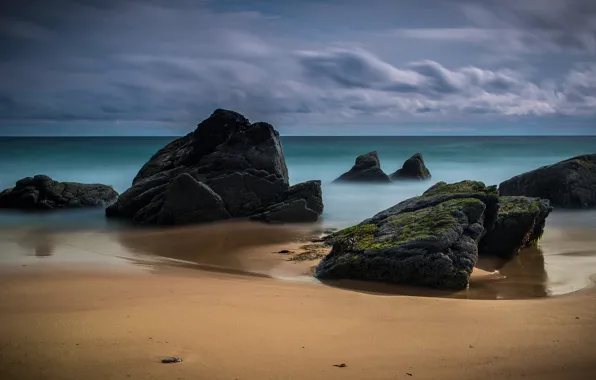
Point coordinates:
[[116, 160]]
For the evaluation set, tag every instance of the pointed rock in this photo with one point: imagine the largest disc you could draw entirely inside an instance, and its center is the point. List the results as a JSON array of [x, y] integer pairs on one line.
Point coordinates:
[[367, 168], [413, 169]]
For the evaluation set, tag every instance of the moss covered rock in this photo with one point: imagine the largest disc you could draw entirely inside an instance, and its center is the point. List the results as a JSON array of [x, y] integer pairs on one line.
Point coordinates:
[[434, 239]]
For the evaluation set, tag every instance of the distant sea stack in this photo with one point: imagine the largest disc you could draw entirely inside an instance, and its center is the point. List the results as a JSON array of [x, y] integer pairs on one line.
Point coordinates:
[[413, 169], [226, 168], [569, 184], [367, 168], [43, 193]]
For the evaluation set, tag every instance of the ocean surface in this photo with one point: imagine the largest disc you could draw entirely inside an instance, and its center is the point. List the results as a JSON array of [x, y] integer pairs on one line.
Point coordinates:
[[115, 161], [565, 260]]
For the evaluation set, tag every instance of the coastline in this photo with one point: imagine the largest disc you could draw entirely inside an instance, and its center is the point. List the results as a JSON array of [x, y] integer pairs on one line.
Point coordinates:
[[111, 305]]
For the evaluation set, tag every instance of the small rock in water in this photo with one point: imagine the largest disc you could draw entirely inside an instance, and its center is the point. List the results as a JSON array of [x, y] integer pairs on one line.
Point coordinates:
[[342, 365], [172, 359]]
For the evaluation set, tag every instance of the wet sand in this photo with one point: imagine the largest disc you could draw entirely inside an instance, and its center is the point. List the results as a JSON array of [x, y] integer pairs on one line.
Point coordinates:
[[101, 305], [564, 262]]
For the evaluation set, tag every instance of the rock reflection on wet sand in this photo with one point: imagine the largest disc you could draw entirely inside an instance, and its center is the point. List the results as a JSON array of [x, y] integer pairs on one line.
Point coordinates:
[[234, 247], [562, 264], [41, 240]]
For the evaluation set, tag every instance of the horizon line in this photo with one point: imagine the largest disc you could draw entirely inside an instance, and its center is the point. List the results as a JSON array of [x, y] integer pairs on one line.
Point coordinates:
[[290, 135]]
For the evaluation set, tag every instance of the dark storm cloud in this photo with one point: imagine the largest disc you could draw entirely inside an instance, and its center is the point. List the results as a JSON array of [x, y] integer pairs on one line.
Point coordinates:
[[563, 24], [175, 61]]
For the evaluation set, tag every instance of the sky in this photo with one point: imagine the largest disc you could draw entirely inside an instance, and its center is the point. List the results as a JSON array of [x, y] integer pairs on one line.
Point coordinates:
[[351, 67]]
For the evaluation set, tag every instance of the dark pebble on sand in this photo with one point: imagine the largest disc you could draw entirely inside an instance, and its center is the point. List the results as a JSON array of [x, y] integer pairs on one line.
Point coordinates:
[[342, 365], [171, 360], [284, 251]]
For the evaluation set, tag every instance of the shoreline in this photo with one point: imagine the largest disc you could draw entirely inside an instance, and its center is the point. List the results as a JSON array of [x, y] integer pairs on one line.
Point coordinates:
[[113, 305], [564, 264]]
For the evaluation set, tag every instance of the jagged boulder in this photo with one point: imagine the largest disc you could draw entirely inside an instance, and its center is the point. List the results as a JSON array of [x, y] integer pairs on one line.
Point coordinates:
[[519, 224], [434, 239], [43, 193], [226, 168], [367, 168], [412, 169], [570, 183]]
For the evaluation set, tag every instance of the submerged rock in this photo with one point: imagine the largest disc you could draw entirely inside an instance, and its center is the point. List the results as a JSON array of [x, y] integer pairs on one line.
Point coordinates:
[[434, 239], [43, 193], [367, 168], [413, 168], [226, 168], [570, 183]]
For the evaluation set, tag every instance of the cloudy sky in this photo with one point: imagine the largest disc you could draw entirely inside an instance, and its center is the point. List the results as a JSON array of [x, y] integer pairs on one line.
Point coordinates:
[[126, 67]]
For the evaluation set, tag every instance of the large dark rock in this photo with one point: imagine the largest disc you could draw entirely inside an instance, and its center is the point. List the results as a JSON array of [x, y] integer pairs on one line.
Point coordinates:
[[226, 168], [570, 183], [43, 193], [367, 168], [413, 169], [434, 239]]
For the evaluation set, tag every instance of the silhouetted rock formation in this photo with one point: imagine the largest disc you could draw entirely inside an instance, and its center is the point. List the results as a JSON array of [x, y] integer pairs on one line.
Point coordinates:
[[43, 193], [227, 168]]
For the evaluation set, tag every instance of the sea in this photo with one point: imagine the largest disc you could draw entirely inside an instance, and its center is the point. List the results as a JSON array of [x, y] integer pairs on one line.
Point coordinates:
[[116, 160]]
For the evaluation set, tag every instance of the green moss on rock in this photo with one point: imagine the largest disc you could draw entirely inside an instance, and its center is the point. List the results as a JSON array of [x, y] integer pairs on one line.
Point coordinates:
[[463, 187], [513, 205], [427, 223]]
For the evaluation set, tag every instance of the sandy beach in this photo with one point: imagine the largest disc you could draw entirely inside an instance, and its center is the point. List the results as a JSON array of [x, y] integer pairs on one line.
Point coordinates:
[[236, 309], [73, 325]]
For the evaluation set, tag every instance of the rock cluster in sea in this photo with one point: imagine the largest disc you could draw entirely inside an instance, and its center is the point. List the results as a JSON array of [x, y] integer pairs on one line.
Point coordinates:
[[43, 193], [367, 168], [227, 168], [435, 239]]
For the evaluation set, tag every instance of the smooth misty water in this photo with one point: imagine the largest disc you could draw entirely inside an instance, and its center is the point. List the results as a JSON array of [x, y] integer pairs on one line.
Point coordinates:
[[116, 160], [565, 261]]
